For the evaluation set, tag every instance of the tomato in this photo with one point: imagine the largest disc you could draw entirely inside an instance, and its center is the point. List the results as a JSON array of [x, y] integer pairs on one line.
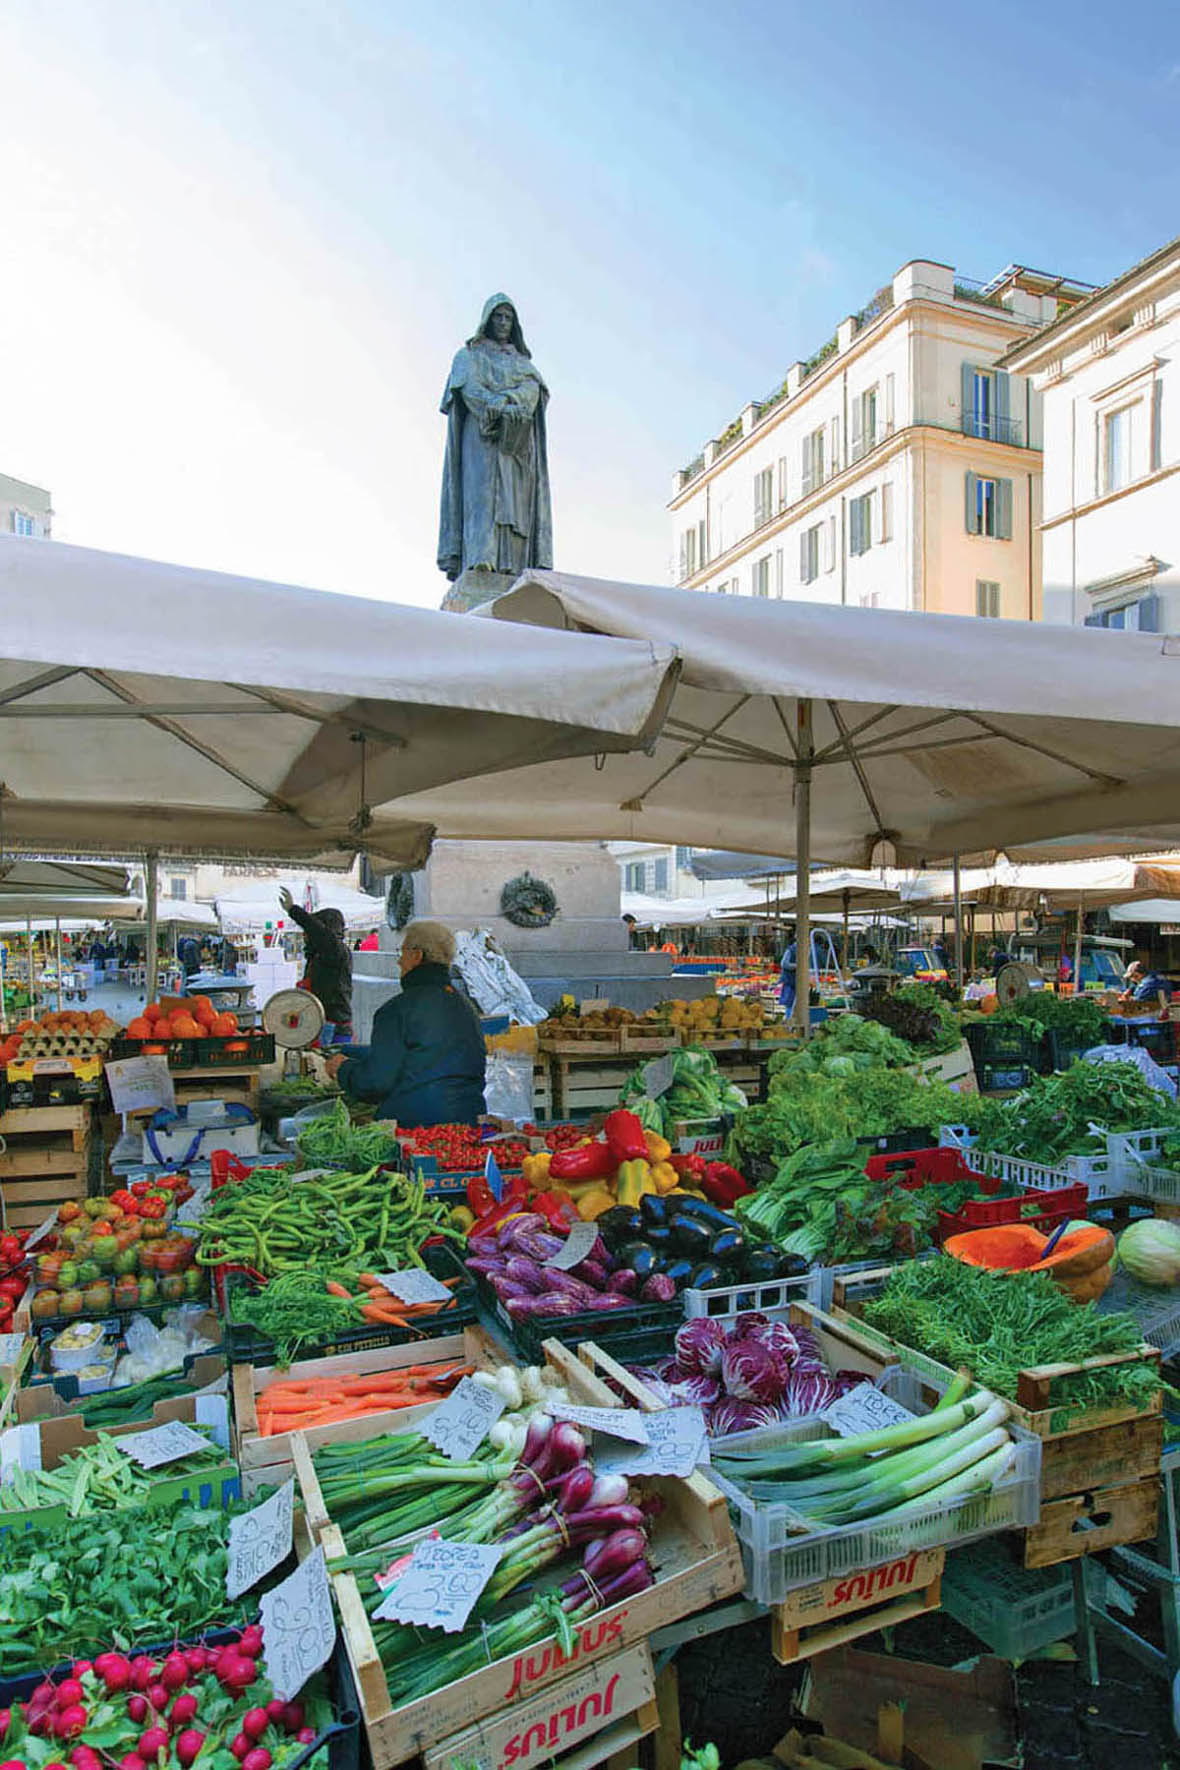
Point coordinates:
[[13, 1288], [11, 1251]]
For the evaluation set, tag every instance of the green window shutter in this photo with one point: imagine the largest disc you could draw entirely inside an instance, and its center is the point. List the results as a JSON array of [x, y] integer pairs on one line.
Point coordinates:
[[803, 578], [1003, 396], [968, 388], [972, 510], [1150, 615], [1004, 509]]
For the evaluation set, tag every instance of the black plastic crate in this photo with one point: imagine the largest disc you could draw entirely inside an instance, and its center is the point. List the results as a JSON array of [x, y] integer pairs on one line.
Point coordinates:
[[1001, 1044], [179, 1052], [1063, 1047], [606, 1327], [896, 1142], [229, 1054], [1156, 1037], [245, 1345]]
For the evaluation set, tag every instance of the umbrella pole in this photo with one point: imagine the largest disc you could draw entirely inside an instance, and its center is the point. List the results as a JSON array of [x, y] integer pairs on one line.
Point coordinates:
[[152, 890], [57, 951], [1077, 950], [958, 921], [32, 969], [806, 749], [847, 896]]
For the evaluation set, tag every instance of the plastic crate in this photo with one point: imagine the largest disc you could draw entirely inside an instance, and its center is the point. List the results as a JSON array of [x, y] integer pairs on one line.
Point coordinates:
[[246, 1345], [179, 1052], [228, 1053], [1157, 1037], [1134, 1149], [1157, 1311], [604, 1326], [1012, 1609], [1100, 1174], [727, 1302], [1001, 1044], [956, 1137], [781, 1554], [1061, 1048]]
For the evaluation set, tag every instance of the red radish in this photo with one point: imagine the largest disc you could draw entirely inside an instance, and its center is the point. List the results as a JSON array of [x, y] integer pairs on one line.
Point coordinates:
[[241, 1745], [258, 1759], [196, 1659], [55, 1765], [14, 1764], [130, 1761], [68, 1693], [114, 1670], [137, 1709], [69, 1722], [85, 1757], [305, 1735], [255, 1722], [174, 1671], [38, 1723], [250, 1641], [274, 1709], [151, 1742], [5, 1720], [159, 1696], [82, 1666], [292, 1716], [143, 1672], [43, 1695], [239, 1674], [183, 1710], [188, 1744]]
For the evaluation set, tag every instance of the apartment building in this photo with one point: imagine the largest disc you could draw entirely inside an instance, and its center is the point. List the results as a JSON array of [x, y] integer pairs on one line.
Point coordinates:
[[898, 467], [24, 509], [656, 869], [1107, 374]]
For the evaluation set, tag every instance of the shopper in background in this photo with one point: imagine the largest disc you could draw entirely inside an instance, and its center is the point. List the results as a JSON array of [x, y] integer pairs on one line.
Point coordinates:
[[188, 951], [371, 943], [328, 967], [426, 1063], [786, 982]]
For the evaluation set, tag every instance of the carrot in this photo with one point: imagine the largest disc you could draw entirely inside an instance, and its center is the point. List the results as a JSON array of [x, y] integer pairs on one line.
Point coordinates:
[[338, 1290], [387, 1317]]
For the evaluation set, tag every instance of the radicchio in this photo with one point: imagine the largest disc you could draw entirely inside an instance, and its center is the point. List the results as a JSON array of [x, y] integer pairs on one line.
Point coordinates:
[[751, 1372], [807, 1394], [739, 1416], [699, 1345], [749, 1324], [777, 1337], [695, 1391]]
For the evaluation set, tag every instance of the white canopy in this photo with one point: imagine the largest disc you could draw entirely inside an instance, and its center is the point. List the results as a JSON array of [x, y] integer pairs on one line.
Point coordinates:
[[688, 912], [150, 706], [251, 914], [59, 878], [1149, 909], [843, 891]]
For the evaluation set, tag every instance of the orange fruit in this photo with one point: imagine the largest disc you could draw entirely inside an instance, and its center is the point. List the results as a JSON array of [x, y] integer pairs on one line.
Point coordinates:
[[139, 1028], [224, 1026]]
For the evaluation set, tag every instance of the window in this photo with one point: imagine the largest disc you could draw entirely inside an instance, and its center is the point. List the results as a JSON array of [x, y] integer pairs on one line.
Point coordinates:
[[633, 876], [989, 507], [659, 873], [763, 496], [760, 577], [986, 402], [688, 553], [813, 460], [702, 544], [1116, 449], [887, 511], [834, 433], [809, 554], [860, 523], [830, 544], [889, 399], [1142, 616], [178, 888], [23, 523], [782, 482], [987, 598], [684, 857], [778, 571], [864, 423]]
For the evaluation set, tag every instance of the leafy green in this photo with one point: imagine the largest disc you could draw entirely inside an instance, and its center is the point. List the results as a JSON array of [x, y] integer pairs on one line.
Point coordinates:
[[998, 1324], [918, 1014], [1041, 1009], [805, 1107], [1053, 1117], [820, 1204], [698, 1091], [294, 1310]]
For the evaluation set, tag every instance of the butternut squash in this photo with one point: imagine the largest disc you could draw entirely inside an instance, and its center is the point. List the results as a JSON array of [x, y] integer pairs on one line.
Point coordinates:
[[1081, 1263]]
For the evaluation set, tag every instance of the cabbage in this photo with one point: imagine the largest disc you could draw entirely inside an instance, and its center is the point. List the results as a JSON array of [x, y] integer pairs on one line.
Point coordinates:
[[698, 1346], [752, 1372], [1150, 1250]]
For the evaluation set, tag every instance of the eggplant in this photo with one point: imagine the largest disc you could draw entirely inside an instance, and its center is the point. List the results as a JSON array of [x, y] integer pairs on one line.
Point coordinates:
[[792, 1266], [653, 1208], [657, 1235], [701, 1211], [621, 1223], [764, 1264], [638, 1257], [679, 1271], [727, 1247], [690, 1237], [706, 1276]]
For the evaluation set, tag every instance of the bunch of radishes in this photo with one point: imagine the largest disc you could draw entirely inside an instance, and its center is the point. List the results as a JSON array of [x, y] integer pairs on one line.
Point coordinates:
[[158, 1699]]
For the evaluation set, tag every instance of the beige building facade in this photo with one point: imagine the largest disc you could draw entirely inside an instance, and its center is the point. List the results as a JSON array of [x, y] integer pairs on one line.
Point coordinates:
[[898, 467], [24, 509]]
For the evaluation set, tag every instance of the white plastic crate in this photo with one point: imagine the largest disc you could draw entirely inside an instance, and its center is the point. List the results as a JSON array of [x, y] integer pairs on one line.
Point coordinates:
[[956, 1137], [1102, 1174], [729, 1301], [781, 1554], [1132, 1149]]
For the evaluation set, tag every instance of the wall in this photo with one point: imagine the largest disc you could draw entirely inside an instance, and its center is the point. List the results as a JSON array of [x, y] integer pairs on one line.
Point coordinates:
[[18, 496]]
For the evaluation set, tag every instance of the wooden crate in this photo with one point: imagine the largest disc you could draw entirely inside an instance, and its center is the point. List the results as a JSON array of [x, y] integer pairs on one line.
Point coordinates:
[[581, 1721], [697, 1564], [243, 1085], [604, 1042], [1111, 1455], [647, 1040], [44, 1162], [584, 1083], [1083, 1523], [816, 1618], [268, 1461]]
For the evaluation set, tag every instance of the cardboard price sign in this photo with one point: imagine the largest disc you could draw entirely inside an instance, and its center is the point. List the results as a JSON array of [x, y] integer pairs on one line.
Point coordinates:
[[140, 1084], [415, 1286], [578, 1244], [676, 1444], [658, 1075], [298, 1627], [463, 1420], [616, 1422], [11, 1347], [864, 1409], [259, 1540], [439, 1588], [162, 1444]]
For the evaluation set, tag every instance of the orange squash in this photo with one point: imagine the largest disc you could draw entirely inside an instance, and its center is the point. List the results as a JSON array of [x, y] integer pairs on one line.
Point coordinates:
[[1081, 1263]]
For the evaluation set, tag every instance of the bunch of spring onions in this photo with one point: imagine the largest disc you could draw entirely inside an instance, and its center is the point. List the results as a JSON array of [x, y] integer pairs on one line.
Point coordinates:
[[961, 1448]]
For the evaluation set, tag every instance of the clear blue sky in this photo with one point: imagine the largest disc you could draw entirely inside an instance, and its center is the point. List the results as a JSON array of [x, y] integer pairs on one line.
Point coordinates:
[[243, 239]]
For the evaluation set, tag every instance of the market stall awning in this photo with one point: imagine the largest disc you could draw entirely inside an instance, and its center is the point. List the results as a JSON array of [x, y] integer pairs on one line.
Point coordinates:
[[1149, 909], [252, 914], [150, 706], [686, 912], [59, 878], [1089, 884], [856, 892]]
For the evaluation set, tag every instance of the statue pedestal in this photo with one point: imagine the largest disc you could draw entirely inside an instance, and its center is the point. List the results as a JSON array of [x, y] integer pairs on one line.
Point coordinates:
[[471, 588]]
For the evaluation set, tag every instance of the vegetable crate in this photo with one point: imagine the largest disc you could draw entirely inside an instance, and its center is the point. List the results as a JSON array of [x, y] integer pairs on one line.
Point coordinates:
[[814, 1619], [1060, 1048], [45, 1154], [956, 1068], [648, 1039], [769, 1298], [249, 1049], [527, 1336], [267, 1461], [1012, 1609], [1133, 1152], [1005, 1056], [697, 1564], [1102, 1175], [915, 1168], [245, 1344]]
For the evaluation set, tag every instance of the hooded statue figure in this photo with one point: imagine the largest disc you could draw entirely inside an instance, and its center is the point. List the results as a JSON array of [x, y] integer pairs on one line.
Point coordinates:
[[495, 512]]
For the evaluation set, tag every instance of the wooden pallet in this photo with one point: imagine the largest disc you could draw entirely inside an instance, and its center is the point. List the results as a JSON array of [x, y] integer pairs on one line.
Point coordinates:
[[816, 1618], [1083, 1523]]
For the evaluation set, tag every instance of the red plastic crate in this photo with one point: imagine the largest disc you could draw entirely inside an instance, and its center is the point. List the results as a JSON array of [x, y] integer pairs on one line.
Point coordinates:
[[912, 1168]]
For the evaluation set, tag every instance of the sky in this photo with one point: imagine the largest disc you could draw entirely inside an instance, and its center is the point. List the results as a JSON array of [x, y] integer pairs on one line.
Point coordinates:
[[241, 241]]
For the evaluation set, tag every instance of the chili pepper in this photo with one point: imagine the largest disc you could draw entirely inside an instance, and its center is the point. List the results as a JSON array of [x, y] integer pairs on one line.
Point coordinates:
[[588, 1161], [625, 1136]]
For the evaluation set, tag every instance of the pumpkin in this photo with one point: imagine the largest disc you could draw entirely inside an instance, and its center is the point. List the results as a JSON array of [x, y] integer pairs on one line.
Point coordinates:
[[1081, 1264]]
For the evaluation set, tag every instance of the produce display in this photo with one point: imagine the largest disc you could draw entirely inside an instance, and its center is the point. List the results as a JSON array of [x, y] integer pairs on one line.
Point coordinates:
[[296, 1405], [753, 1372], [917, 1013], [1078, 1016], [997, 1325], [302, 1307], [194, 1017], [734, 1014], [95, 1478], [567, 1022], [69, 1032], [1080, 1262], [334, 1140], [117, 1253], [698, 1090], [1150, 1251], [459, 1149], [1056, 1115]]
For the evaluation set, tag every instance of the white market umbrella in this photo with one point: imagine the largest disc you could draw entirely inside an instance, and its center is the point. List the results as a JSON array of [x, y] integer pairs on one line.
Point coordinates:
[[864, 737]]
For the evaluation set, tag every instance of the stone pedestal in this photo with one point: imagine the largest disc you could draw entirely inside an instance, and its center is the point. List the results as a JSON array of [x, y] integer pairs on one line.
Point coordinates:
[[471, 588]]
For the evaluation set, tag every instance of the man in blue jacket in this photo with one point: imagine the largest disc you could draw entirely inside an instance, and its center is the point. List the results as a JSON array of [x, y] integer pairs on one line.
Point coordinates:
[[426, 1064]]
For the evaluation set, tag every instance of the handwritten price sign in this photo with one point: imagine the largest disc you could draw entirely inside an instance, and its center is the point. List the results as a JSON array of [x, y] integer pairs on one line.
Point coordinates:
[[298, 1627], [578, 1243], [439, 1588], [415, 1286], [259, 1540], [163, 1444], [864, 1409], [618, 1422], [464, 1419], [676, 1445]]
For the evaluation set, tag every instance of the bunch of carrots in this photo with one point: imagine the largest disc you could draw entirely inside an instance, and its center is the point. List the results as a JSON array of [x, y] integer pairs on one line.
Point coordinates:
[[320, 1401], [379, 1305]]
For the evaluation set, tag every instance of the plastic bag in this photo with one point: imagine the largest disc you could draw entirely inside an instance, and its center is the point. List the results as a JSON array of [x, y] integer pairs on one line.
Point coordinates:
[[155, 1351], [491, 981], [508, 1087], [1152, 1073]]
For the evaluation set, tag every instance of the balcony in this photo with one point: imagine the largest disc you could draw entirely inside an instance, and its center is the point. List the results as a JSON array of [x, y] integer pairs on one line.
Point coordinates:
[[992, 428]]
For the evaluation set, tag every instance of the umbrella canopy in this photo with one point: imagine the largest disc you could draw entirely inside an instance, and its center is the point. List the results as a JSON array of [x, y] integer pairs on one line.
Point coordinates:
[[727, 863], [153, 706], [1147, 909], [59, 878], [853, 891], [250, 914], [924, 736]]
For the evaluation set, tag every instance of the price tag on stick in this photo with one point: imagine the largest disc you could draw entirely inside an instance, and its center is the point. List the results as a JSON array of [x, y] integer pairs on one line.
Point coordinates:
[[439, 1588], [259, 1540], [658, 1075], [415, 1286], [162, 1444], [42, 1230], [578, 1244], [463, 1420], [864, 1409], [298, 1627]]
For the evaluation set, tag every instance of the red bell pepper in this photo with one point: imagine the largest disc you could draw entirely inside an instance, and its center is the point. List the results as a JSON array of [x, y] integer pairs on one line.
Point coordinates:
[[557, 1208], [488, 1209], [586, 1161], [690, 1168], [723, 1185], [624, 1137]]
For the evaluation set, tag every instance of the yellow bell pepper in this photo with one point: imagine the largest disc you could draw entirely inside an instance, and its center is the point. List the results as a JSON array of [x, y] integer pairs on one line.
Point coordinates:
[[633, 1181], [658, 1148], [462, 1218], [665, 1177], [535, 1169], [592, 1204]]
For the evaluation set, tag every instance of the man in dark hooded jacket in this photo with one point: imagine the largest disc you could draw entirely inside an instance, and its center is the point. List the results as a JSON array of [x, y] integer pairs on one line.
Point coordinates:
[[328, 972]]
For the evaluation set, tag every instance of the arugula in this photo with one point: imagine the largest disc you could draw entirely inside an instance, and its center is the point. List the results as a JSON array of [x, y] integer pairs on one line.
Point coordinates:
[[1053, 1117]]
